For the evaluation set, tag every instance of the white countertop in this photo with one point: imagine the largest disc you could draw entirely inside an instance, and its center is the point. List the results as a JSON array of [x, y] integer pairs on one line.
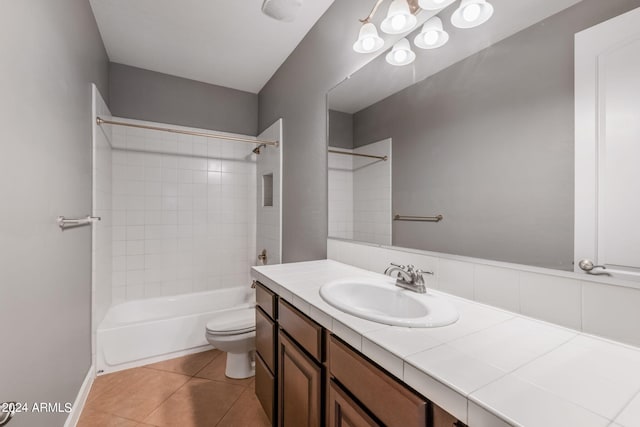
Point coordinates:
[[492, 368]]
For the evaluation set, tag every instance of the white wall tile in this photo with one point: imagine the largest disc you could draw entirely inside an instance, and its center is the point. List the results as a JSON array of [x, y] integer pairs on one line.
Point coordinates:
[[606, 310], [456, 277], [611, 311], [553, 299], [497, 286], [166, 206]]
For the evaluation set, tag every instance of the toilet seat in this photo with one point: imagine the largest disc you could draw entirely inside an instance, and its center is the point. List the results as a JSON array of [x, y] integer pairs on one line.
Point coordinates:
[[232, 322]]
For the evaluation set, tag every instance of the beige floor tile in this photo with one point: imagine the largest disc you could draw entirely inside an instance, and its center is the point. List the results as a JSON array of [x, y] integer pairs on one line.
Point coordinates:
[[215, 371], [246, 412], [133, 393], [200, 403], [187, 365], [93, 418]]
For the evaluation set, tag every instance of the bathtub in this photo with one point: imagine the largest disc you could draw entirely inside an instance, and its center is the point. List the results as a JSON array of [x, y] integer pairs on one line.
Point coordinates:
[[139, 332]]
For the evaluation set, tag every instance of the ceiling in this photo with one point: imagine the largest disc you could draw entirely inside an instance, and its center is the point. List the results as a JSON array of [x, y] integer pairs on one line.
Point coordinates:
[[379, 80], [224, 42]]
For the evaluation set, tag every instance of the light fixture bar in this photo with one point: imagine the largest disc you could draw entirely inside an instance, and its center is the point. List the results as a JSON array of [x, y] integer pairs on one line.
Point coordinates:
[[413, 7]]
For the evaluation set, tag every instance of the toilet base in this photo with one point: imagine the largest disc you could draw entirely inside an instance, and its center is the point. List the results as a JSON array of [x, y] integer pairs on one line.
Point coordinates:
[[240, 365]]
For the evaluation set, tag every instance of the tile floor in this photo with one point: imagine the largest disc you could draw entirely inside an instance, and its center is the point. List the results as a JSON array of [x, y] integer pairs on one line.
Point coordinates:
[[189, 391]]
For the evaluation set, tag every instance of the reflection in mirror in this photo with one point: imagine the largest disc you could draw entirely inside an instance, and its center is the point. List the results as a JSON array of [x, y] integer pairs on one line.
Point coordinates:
[[483, 134], [359, 185]]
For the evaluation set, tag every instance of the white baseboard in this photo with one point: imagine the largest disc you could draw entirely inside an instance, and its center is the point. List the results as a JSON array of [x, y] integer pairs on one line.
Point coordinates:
[[81, 399]]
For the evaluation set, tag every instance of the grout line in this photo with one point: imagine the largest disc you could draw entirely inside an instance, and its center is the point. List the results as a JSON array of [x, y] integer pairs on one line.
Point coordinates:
[[162, 403], [625, 406], [232, 405]]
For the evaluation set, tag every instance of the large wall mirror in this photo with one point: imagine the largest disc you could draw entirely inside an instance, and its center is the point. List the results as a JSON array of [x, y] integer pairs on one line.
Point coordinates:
[[480, 133]]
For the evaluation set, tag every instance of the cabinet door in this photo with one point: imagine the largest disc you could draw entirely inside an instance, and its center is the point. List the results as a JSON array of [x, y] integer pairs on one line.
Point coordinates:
[[265, 338], [299, 386], [265, 388], [441, 418], [344, 412]]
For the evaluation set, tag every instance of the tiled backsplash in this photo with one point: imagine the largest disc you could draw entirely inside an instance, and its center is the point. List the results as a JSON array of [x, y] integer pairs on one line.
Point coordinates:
[[181, 220], [599, 306]]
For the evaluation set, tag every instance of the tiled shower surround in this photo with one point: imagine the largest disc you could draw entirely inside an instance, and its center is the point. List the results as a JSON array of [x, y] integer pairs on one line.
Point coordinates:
[[182, 221], [360, 194]]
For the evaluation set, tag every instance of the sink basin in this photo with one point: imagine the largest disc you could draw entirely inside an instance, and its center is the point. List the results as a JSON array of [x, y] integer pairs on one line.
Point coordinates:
[[383, 302]]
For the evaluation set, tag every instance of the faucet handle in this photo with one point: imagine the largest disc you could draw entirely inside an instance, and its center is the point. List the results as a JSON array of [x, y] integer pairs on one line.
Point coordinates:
[[398, 265]]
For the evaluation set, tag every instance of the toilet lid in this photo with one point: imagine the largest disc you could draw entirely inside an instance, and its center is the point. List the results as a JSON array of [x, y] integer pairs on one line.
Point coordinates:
[[233, 321]]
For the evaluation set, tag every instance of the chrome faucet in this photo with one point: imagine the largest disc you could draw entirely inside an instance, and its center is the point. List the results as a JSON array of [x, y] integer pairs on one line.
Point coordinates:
[[408, 277]]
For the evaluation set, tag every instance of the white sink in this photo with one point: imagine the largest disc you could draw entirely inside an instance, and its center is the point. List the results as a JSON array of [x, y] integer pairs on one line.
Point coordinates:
[[383, 302]]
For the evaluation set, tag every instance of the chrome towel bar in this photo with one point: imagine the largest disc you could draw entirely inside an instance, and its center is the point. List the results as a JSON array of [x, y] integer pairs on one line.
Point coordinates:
[[65, 223], [437, 218]]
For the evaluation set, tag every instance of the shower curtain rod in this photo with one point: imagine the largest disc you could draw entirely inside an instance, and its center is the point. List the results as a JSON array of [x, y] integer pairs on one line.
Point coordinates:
[[346, 153], [100, 121]]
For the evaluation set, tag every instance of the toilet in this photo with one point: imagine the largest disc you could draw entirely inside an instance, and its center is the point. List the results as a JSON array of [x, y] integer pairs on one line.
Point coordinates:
[[234, 332]]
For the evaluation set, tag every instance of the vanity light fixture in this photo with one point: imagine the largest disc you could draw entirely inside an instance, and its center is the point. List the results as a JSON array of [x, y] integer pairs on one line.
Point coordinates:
[[431, 4], [432, 35], [402, 18], [368, 39], [401, 54], [472, 13], [399, 18]]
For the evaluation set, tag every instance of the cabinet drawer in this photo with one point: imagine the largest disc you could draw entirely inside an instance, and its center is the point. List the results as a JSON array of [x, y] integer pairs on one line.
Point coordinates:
[[265, 338], [266, 300], [306, 332], [265, 388], [343, 411], [391, 402]]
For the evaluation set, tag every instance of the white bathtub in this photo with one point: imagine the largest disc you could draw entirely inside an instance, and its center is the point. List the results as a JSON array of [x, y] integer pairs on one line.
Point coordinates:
[[138, 332]]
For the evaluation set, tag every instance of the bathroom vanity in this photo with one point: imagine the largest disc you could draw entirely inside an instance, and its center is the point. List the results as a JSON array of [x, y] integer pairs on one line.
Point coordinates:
[[317, 365], [308, 376]]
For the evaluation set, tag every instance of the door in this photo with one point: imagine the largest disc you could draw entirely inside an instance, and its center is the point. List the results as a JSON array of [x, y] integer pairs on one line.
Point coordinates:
[[299, 386], [607, 105]]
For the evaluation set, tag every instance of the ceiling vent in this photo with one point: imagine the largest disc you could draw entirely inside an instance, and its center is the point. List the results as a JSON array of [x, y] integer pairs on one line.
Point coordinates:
[[282, 10]]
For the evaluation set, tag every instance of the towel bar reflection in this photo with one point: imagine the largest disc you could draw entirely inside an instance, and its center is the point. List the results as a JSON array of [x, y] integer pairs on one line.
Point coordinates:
[[436, 218], [65, 223]]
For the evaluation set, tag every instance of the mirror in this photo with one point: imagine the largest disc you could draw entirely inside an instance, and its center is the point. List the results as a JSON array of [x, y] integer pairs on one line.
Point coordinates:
[[480, 131]]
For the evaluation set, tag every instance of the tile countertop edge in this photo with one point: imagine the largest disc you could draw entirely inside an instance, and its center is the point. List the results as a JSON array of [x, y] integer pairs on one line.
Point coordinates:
[[274, 285]]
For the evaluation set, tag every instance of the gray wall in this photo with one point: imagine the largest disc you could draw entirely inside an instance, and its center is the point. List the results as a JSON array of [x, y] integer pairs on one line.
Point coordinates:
[[297, 93], [340, 129], [51, 53], [147, 95], [489, 143]]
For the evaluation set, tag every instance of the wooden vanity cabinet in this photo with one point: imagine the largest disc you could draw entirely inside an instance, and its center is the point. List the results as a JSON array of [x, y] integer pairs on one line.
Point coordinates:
[[266, 343], [306, 377], [344, 411], [299, 386], [301, 375]]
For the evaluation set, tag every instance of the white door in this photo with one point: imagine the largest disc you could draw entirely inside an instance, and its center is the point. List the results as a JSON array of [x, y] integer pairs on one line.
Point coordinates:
[[607, 196]]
